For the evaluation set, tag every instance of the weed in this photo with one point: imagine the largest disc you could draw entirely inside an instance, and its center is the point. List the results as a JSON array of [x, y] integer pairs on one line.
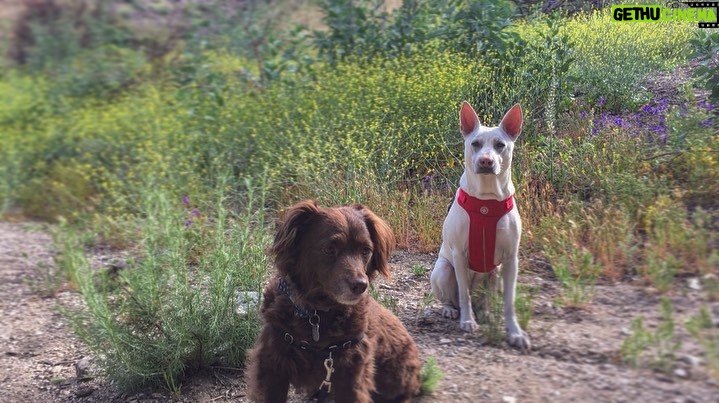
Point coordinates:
[[638, 341], [46, 281], [431, 376], [418, 270], [384, 299], [675, 244], [574, 265], [488, 308], [662, 343], [702, 328], [523, 304], [577, 273], [428, 212]]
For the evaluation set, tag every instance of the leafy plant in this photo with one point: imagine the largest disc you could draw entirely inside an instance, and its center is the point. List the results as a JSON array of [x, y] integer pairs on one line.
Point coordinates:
[[418, 270], [431, 376], [706, 47], [172, 310], [702, 328], [662, 343], [577, 273], [523, 304]]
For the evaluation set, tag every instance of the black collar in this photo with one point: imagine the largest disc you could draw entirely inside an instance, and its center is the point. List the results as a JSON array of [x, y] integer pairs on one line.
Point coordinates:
[[304, 312]]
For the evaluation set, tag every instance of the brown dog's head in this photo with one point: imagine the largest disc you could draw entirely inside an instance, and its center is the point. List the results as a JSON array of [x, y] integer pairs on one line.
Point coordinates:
[[332, 252]]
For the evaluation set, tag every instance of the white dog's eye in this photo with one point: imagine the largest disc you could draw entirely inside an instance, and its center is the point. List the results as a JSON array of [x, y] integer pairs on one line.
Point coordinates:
[[477, 144], [499, 145]]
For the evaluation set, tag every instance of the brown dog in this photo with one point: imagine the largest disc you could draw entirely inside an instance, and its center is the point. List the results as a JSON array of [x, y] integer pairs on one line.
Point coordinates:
[[322, 331]]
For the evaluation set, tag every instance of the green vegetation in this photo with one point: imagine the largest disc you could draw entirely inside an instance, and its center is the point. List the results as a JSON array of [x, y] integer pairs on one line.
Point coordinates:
[[172, 309], [431, 375], [106, 127], [662, 342]]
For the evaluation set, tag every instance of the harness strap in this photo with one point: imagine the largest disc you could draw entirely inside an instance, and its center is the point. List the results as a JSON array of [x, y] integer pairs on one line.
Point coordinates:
[[307, 346], [483, 218]]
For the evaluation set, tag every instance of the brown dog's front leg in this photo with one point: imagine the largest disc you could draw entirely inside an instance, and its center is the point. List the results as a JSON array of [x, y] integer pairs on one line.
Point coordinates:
[[265, 383], [353, 384]]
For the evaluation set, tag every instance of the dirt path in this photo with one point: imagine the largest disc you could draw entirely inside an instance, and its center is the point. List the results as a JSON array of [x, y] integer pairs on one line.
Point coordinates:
[[574, 359]]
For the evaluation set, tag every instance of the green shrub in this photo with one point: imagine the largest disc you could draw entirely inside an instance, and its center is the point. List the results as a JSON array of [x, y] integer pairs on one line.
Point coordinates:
[[657, 347], [706, 47], [612, 59], [173, 309]]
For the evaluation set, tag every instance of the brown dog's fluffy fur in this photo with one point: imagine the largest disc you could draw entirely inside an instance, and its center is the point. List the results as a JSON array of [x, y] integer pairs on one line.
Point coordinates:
[[328, 256]]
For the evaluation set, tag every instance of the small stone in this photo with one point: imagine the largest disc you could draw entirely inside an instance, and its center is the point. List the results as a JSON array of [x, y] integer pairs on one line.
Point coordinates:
[[691, 360], [693, 283], [82, 367], [681, 373], [509, 399], [445, 341]]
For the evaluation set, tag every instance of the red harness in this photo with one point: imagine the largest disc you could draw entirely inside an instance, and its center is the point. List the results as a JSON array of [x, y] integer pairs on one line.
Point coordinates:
[[483, 218]]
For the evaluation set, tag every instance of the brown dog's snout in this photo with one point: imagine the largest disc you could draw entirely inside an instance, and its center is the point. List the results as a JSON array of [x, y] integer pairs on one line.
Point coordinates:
[[358, 285]]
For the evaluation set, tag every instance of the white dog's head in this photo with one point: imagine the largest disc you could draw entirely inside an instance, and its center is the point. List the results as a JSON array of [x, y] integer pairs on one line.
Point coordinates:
[[488, 150]]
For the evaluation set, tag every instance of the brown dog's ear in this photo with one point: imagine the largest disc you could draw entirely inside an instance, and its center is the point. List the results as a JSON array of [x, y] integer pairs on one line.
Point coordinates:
[[468, 120], [382, 241], [512, 122], [284, 247]]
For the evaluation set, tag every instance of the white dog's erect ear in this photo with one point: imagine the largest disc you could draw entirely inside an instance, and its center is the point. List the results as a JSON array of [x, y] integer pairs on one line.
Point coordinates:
[[512, 122], [468, 120]]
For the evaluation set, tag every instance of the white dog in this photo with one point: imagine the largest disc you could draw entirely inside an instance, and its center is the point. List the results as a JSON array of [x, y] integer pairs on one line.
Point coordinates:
[[470, 252]]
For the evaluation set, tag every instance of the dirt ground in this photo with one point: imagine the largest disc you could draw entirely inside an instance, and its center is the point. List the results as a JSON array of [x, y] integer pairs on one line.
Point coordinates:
[[574, 356]]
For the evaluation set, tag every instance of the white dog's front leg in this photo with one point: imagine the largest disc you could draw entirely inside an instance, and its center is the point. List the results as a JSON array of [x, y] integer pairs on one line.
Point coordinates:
[[516, 336], [464, 287]]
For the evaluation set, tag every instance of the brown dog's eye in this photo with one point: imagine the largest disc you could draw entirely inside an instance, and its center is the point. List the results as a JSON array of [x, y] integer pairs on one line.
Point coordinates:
[[367, 252], [329, 250]]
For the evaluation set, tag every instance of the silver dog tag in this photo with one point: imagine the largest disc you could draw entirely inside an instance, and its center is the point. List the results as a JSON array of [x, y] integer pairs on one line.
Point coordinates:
[[315, 323]]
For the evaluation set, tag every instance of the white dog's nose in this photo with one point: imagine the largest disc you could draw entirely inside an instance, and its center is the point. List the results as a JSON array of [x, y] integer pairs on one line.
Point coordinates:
[[486, 162]]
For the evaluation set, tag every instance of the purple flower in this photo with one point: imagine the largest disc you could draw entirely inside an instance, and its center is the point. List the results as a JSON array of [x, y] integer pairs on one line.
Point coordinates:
[[706, 123], [705, 104], [188, 223], [648, 109], [659, 129], [583, 114], [196, 212], [186, 200], [601, 100]]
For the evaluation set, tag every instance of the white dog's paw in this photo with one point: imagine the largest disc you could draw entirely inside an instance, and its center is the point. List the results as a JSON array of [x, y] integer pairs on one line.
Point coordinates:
[[468, 325], [448, 311], [519, 340]]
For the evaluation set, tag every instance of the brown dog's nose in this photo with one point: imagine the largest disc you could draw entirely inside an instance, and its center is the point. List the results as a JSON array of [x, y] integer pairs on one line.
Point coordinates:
[[358, 286]]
